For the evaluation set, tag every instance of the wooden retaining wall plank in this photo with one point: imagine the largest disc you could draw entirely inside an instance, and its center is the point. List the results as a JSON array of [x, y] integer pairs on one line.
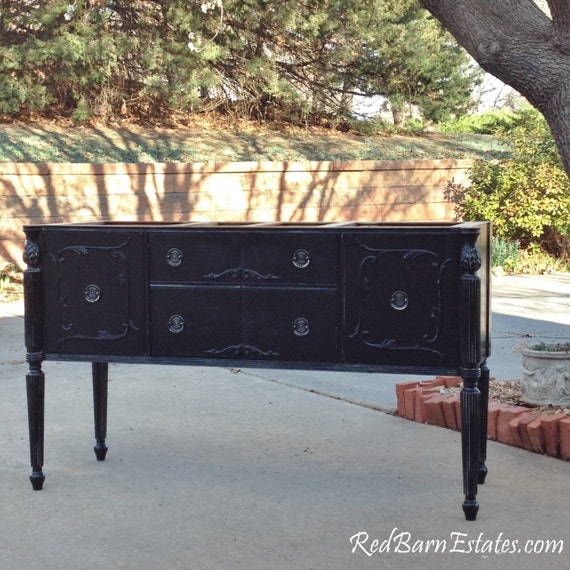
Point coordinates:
[[364, 191]]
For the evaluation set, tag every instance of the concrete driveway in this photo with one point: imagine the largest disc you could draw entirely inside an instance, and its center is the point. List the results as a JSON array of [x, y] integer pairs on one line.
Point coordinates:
[[210, 468]]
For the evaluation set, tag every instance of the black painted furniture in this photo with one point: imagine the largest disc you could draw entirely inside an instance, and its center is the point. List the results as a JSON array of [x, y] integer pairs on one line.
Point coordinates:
[[361, 297]]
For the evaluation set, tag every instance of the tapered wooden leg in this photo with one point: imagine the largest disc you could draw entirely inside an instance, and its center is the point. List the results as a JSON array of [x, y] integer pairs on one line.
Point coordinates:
[[35, 385], [484, 389], [100, 389], [470, 436]]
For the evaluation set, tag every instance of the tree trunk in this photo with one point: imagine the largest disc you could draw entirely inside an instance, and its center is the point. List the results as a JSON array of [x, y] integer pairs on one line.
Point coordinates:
[[517, 42]]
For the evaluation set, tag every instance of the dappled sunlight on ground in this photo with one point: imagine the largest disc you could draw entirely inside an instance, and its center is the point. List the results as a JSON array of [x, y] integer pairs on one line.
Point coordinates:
[[50, 142]]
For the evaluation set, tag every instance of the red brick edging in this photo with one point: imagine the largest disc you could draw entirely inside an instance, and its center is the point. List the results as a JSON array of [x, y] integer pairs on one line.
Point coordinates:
[[426, 402]]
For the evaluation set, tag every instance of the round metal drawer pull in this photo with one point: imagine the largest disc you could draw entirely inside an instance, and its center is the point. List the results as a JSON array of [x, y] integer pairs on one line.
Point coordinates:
[[301, 258], [176, 324], [174, 257], [92, 293], [399, 300], [301, 327]]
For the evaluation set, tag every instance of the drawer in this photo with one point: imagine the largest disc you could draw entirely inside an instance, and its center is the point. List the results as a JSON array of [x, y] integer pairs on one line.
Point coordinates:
[[257, 323], [194, 256], [190, 321], [294, 324], [219, 257], [292, 257]]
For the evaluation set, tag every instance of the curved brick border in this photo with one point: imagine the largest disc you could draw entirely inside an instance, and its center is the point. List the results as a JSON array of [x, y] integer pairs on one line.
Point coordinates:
[[425, 402]]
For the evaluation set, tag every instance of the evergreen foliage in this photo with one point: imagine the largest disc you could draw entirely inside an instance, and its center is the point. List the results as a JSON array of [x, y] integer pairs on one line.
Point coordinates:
[[256, 58]]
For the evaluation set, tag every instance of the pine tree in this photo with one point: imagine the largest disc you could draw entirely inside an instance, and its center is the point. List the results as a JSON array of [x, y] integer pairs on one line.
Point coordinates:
[[255, 57]]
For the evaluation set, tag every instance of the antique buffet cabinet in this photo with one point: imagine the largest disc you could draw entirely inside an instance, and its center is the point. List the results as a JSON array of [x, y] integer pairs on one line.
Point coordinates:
[[396, 298]]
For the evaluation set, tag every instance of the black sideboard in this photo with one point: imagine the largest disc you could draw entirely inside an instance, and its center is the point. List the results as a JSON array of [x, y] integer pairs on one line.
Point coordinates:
[[396, 298]]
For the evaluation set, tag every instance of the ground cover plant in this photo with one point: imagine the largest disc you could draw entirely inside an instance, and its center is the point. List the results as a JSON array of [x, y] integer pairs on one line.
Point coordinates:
[[213, 140]]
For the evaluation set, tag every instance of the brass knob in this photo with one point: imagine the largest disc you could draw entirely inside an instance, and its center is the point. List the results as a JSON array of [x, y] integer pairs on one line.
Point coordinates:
[[176, 324], [174, 257], [399, 300], [92, 293], [301, 258], [301, 327]]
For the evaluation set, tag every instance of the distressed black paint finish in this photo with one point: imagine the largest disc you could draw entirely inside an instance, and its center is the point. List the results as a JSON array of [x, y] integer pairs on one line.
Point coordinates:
[[33, 330], [470, 351], [362, 297]]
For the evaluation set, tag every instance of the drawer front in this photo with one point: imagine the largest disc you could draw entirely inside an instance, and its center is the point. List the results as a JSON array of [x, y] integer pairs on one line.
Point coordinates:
[[220, 257], [293, 324], [191, 321], [401, 300], [292, 257], [195, 256], [257, 323], [94, 290]]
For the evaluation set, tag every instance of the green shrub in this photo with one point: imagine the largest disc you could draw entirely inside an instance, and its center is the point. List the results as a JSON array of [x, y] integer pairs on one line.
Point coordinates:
[[504, 254], [366, 127], [534, 260], [488, 123], [413, 125], [82, 112], [527, 197]]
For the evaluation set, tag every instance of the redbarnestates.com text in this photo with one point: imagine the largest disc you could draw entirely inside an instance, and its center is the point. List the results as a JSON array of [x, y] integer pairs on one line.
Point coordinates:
[[402, 542]]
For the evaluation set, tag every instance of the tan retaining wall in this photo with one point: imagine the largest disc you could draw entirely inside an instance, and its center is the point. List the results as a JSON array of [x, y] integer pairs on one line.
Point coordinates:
[[248, 191]]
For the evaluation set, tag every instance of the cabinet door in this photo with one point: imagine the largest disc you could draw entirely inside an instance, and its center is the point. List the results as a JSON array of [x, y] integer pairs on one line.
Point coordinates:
[[94, 289], [401, 303]]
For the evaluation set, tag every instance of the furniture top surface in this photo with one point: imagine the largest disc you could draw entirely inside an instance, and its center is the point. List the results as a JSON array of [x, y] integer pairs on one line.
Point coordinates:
[[263, 225]]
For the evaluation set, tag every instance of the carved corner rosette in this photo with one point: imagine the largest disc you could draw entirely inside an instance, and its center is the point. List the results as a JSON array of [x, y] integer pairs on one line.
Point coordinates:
[[31, 255], [470, 259]]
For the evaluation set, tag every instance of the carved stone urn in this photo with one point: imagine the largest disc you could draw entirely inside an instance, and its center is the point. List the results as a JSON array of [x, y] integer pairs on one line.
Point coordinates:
[[546, 374]]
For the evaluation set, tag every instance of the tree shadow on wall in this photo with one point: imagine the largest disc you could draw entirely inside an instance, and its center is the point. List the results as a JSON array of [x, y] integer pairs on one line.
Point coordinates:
[[178, 192]]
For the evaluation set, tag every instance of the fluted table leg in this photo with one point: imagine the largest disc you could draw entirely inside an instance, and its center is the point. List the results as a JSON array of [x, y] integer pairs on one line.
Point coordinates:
[[470, 434], [484, 389], [35, 384]]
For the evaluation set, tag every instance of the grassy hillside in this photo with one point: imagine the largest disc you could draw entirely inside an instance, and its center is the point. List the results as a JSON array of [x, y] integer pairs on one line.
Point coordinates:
[[203, 143]]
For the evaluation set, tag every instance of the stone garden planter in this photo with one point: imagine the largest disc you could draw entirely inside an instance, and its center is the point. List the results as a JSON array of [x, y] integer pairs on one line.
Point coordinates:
[[545, 377]]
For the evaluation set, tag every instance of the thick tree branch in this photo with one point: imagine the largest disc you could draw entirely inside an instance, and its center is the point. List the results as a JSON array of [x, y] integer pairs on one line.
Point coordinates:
[[512, 39], [518, 43], [560, 11]]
